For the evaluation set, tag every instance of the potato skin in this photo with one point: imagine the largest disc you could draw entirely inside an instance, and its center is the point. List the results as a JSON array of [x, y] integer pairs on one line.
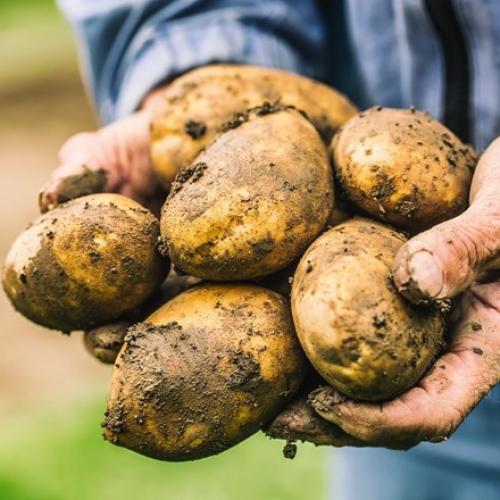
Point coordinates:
[[84, 263], [199, 102], [204, 372], [359, 333], [249, 206], [403, 167]]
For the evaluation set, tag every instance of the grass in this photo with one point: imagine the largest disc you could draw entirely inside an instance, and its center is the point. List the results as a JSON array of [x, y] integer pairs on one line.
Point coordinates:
[[55, 454]]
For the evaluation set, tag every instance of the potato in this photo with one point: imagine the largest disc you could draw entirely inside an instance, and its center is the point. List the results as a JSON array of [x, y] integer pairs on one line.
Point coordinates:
[[105, 341], [403, 167], [198, 103], [360, 334], [204, 372], [84, 263], [253, 201]]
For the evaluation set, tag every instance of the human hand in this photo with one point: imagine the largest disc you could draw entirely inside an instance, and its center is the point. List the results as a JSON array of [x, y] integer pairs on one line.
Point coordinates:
[[112, 159], [460, 254]]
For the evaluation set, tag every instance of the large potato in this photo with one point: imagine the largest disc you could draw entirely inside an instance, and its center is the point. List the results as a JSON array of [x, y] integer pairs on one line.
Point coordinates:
[[204, 372], [403, 167], [84, 263], [198, 103], [359, 333], [253, 201]]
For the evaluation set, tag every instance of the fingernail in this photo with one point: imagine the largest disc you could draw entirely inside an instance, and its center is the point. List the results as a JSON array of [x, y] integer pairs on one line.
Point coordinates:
[[426, 273], [326, 402]]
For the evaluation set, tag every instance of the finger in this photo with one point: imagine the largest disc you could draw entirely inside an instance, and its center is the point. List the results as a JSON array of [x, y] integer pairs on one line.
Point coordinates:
[[487, 175], [115, 158], [432, 410], [298, 422], [444, 261]]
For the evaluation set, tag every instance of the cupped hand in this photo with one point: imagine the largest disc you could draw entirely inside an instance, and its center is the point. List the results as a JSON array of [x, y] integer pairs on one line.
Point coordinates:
[[112, 159], [457, 259]]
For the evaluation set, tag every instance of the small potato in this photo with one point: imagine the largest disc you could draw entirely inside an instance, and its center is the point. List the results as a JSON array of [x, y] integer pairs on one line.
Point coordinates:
[[359, 333], [403, 167], [204, 372], [198, 103], [85, 263], [253, 201]]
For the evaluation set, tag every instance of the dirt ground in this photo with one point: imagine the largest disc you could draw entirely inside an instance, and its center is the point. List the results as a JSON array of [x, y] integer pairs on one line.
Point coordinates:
[[37, 364]]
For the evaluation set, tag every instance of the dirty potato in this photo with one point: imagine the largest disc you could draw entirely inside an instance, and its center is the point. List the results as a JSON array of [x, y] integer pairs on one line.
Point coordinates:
[[198, 103], [359, 333], [204, 372], [84, 263], [252, 201], [403, 167]]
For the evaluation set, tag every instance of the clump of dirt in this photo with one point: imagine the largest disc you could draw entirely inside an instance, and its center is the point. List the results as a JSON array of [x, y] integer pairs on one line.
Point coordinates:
[[195, 129], [290, 450], [266, 108], [189, 174]]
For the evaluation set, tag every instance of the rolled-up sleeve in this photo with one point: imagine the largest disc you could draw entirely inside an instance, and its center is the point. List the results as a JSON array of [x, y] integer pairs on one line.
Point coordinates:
[[127, 47]]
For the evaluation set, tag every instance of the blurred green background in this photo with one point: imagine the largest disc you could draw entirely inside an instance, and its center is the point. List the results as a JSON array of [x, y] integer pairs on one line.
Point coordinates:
[[52, 394]]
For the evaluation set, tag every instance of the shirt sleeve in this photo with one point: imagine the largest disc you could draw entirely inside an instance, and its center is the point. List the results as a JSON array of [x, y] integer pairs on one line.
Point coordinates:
[[127, 47]]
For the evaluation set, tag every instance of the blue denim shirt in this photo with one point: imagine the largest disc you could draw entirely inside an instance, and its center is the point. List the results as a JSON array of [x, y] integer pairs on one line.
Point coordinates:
[[384, 52]]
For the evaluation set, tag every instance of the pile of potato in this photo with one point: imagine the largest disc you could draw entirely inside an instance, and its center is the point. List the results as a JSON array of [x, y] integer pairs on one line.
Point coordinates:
[[205, 358]]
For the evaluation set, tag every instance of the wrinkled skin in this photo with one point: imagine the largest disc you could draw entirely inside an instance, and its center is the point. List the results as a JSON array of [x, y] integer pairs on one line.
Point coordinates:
[[460, 254]]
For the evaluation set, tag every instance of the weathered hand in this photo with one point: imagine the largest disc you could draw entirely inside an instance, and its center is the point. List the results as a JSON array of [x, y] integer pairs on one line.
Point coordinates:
[[461, 254], [433, 409], [112, 159]]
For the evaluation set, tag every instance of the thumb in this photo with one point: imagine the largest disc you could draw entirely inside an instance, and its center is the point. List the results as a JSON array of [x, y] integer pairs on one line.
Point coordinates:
[[442, 262]]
